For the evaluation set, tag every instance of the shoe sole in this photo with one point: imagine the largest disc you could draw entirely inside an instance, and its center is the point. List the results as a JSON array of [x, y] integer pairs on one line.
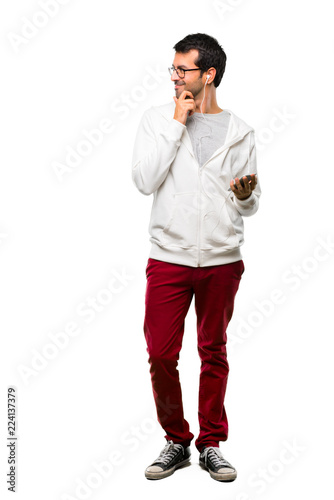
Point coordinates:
[[227, 478], [168, 472]]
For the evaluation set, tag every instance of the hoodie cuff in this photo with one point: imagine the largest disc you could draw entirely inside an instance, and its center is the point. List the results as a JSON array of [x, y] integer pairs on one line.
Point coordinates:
[[174, 130], [179, 123]]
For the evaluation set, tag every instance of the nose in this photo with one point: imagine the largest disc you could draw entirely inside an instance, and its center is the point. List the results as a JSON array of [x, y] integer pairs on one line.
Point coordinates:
[[174, 76]]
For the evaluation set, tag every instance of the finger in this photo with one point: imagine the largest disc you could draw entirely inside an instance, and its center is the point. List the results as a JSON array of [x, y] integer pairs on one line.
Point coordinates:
[[232, 186], [239, 186], [193, 108], [188, 106], [187, 101], [247, 183], [246, 189], [253, 182], [185, 93]]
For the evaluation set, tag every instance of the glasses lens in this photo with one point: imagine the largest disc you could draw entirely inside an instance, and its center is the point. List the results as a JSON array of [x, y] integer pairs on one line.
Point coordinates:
[[179, 72]]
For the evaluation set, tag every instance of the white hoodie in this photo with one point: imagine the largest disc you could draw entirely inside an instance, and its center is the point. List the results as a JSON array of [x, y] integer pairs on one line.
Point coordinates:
[[195, 220]]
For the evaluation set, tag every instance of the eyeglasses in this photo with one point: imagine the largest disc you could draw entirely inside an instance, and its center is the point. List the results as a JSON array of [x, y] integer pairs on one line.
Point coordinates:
[[180, 71]]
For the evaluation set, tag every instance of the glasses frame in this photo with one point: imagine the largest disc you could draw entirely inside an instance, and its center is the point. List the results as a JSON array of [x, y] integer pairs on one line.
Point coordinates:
[[171, 70]]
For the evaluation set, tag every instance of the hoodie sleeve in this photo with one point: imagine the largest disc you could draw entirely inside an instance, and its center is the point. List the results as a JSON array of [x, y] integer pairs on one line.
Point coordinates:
[[153, 152], [251, 204]]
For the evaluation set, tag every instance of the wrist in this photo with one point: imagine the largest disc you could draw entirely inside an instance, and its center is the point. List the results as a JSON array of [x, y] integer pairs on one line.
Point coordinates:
[[244, 198], [182, 120]]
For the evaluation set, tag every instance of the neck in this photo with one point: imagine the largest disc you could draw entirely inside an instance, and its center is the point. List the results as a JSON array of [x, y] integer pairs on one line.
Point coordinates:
[[209, 103]]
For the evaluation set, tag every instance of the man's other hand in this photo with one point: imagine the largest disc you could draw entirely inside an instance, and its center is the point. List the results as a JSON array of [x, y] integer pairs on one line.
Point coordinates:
[[242, 193]]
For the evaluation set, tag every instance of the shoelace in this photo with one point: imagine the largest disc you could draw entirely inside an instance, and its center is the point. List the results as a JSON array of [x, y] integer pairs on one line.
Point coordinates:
[[169, 452], [216, 457]]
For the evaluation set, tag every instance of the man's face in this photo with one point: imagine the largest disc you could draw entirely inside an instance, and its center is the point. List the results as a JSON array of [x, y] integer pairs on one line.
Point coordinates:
[[192, 80]]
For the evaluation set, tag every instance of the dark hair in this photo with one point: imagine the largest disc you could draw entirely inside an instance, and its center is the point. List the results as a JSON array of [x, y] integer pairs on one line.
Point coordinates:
[[210, 53]]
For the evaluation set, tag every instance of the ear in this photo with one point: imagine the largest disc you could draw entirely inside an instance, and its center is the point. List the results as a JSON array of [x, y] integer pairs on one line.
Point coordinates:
[[211, 75]]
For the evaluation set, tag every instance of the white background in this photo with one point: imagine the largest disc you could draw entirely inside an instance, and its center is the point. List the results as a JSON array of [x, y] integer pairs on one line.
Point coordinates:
[[63, 239]]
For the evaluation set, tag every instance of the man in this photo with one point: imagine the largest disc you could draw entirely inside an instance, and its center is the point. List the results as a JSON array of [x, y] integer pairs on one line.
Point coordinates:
[[192, 154]]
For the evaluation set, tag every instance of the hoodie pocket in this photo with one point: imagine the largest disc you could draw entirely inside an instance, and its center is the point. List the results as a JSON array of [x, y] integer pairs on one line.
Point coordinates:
[[218, 230], [181, 229]]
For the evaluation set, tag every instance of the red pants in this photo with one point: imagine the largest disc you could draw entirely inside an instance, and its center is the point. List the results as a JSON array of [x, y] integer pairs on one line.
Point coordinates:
[[169, 292]]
